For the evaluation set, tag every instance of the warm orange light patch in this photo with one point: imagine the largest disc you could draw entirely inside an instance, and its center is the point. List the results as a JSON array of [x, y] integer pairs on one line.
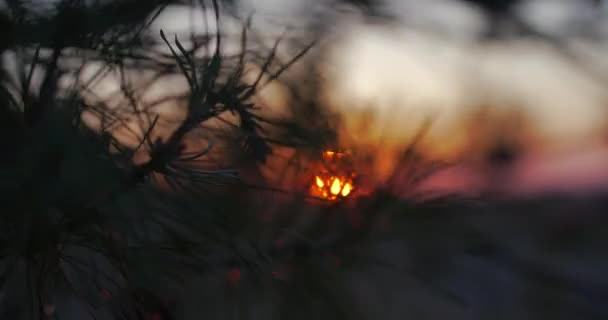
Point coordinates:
[[334, 181], [332, 188], [346, 189], [320, 183]]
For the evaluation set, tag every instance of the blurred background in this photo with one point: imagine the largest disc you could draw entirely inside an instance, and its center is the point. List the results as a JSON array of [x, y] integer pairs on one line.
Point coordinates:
[[522, 81]]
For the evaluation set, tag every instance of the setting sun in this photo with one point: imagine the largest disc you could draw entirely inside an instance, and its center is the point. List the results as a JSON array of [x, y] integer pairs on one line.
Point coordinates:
[[334, 179]]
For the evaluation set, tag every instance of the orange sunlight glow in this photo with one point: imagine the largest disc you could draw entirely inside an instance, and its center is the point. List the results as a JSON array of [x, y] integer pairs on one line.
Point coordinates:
[[333, 181], [332, 188]]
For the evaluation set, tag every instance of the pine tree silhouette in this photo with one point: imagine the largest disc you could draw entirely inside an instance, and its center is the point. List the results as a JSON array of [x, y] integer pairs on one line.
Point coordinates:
[[93, 226]]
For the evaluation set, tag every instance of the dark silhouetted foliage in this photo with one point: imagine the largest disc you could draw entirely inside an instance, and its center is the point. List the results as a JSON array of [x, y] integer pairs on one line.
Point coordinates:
[[93, 226]]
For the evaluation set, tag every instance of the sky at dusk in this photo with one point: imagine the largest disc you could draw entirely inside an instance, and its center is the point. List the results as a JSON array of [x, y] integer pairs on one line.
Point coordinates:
[[428, 59]]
